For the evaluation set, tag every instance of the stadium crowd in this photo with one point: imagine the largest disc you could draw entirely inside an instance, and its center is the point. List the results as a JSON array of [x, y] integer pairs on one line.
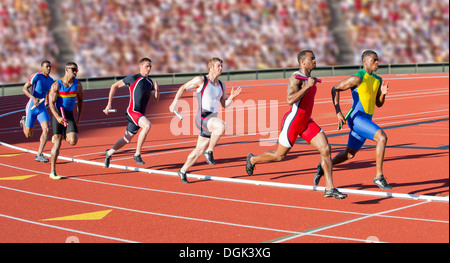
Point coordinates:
[[109, 37]]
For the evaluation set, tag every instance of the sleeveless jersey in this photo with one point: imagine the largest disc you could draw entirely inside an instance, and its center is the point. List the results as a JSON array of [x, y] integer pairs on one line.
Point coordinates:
[[301, 111], [209, 97], [67, 96], [365, 95], [298, 120]]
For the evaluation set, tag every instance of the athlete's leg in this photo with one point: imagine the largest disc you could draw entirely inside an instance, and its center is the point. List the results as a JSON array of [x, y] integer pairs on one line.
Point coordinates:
[[320, 142], [353, 146], [28, 132], [72, 138], [57, 136], [28, 124], [355, 143], [271, 155], [130, 132], [55, 151], [120, 143], [44, 136], [145, 125], [381, 139], [44, 119], [217, 128], [347, 154], [202, 143]]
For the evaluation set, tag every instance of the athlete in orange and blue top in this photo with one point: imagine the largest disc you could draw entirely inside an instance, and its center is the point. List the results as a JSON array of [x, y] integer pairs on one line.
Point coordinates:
[[63, 94], [368, 91]]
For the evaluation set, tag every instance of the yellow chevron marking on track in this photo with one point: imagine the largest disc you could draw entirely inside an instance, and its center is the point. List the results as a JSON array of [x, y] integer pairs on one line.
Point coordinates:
[[17, 178], [10, 155], [87, 216]]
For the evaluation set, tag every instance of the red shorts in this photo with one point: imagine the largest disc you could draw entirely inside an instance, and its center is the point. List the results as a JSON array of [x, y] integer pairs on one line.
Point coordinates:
[[292, 129], [133, 121]]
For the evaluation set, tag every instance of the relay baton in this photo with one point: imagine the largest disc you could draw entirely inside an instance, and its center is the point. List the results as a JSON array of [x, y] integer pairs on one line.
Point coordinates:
[[306, 78], [63, 115], [40, 101], [346, 116], [178, 115], [112, 110]]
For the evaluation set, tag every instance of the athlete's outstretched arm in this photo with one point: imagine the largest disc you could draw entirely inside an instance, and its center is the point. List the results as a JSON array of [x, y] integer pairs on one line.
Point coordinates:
[[227, 101], [195, 83], [348, 83], [112, 91]]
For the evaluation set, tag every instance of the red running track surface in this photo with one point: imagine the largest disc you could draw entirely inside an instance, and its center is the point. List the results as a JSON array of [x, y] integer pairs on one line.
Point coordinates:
[[131, 206]]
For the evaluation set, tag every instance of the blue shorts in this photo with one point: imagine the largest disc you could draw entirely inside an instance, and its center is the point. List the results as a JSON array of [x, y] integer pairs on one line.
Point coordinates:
[[361, 128], [39, 113]]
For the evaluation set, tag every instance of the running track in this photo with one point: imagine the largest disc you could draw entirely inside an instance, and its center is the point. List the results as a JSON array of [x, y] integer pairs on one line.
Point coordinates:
[[117, 205]]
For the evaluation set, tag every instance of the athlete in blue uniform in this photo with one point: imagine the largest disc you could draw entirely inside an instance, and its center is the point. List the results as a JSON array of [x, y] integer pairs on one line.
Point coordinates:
[[141, 89], [64, 93], [368, 91], [40, 84]]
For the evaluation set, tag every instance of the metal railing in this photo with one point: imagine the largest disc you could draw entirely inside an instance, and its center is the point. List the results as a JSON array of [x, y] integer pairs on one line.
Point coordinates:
[[282, 73]]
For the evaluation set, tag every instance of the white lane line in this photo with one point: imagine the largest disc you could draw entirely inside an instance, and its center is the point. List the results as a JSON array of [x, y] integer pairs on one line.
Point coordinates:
[[226, 199]]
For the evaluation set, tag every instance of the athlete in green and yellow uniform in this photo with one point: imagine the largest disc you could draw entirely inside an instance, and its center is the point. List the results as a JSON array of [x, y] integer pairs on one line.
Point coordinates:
[[368, 91]]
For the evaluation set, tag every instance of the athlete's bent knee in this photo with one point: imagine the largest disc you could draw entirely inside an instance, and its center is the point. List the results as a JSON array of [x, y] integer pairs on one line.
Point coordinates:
[[45, 130], [128, 136], [146, 127], [325, 150]]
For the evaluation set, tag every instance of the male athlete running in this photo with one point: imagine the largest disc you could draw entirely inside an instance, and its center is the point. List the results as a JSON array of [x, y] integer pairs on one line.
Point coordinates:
[[368, 91], [64, 94], [40, 83], [141, 88], [297, 122], [210, 93]]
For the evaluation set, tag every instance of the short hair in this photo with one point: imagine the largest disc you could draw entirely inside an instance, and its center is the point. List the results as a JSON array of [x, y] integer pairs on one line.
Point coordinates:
[[302, 54], [71, 64], [45, 62], [143, 60], [368, 53], [214, 60]]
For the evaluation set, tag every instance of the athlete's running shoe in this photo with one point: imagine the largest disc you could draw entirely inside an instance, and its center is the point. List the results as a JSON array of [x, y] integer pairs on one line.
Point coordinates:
[[334, 193], [210, 158], [22, 121], [41, 158], [183, 177], [249, 167], [382, 183], [318, 175], [107, 159], [54, 176], [138, 159]]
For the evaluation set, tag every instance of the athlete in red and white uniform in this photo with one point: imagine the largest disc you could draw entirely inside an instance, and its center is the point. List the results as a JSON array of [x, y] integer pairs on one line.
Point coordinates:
[[297, 122]]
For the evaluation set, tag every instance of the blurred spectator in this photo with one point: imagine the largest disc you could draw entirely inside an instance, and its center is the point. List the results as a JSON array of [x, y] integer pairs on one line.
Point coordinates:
[[24, 39], [109, 36]]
